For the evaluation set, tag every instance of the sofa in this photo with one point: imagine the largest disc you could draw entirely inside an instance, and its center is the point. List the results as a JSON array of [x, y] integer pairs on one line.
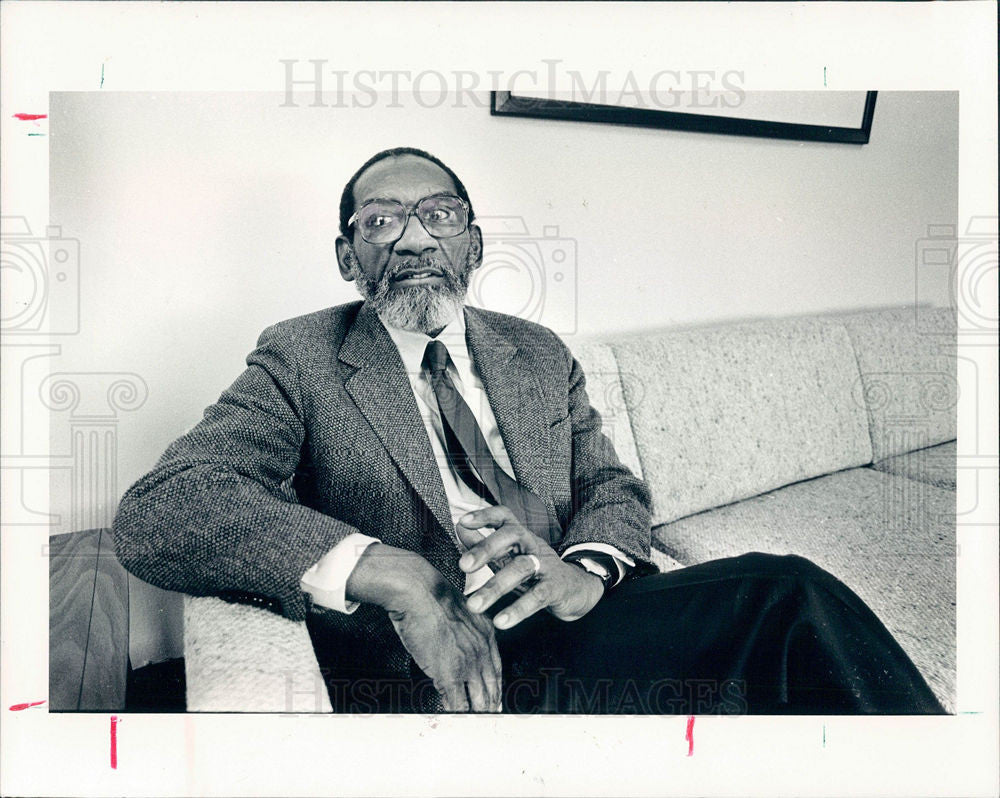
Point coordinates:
[[831, 437]]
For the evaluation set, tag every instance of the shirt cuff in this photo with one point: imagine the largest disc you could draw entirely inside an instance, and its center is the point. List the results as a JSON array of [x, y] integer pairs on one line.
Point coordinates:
[[621, 559], [326, 581]]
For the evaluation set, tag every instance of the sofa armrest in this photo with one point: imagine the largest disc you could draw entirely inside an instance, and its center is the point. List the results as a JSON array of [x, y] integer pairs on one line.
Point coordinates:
[[239, 658], [662, 560]]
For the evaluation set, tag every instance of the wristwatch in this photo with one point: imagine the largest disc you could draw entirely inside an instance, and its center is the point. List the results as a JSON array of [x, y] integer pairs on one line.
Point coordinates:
[[600, 565]]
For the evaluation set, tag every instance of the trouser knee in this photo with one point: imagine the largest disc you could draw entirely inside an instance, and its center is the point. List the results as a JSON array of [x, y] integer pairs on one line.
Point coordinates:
[[801, 576], [783, 565]]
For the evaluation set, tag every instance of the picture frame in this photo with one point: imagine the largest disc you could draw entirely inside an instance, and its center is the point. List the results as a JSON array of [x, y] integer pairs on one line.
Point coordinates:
[[505, 103]]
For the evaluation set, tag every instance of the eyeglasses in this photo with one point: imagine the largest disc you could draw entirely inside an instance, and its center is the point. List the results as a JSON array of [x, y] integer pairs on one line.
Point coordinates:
[[382, 221]]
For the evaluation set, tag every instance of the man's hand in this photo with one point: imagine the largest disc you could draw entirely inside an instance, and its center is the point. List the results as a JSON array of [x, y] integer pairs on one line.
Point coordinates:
[[456, 648], [566, 590]]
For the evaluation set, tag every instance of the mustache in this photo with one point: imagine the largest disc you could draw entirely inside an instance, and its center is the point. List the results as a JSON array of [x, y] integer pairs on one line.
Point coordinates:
[[455, 282], [379, 290], [416, 264]]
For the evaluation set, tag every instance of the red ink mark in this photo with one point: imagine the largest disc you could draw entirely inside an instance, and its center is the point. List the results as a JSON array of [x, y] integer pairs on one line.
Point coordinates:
[[19, 707], [689, 735], [30, 117], [114, 742]]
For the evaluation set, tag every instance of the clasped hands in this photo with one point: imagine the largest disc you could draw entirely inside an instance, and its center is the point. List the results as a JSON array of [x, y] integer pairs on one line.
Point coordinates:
[[446, 633], [522, 560]]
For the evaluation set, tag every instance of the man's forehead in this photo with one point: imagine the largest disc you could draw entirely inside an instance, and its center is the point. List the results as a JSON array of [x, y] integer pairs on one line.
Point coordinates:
[[406, 178]]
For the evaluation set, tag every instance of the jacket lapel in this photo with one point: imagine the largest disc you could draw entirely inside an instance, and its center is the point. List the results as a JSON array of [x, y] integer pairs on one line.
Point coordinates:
[[515, 398], [382, 392]]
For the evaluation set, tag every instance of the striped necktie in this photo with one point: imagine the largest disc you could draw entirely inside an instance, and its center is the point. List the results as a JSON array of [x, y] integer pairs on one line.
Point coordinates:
[[471, 458]]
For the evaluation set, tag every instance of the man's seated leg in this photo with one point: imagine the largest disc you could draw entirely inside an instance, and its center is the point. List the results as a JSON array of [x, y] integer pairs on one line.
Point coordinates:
[[758, 634]]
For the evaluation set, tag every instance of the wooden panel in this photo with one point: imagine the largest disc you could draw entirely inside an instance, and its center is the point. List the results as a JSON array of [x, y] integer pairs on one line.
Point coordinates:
[[72, 572], [106, 669], [88, 623]]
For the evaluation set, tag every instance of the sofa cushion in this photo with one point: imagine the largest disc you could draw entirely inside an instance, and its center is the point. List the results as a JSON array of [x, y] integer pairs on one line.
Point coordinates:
[[934, 465], [889, 538], [723, 414], [908, 365], [604, 389]]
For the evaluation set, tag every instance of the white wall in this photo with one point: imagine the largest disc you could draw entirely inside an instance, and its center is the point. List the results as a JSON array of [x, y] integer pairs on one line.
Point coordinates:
[[202, 218]]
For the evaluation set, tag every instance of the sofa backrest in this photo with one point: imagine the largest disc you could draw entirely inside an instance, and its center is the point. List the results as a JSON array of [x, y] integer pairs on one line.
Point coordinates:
[[604, 389], [722, 414], [908, 376]]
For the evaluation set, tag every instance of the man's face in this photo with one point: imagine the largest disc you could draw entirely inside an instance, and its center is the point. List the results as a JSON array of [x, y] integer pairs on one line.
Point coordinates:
[[418, 282]]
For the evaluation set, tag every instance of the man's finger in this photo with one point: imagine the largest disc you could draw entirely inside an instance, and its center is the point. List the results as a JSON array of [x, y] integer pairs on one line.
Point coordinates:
[[479, 693], [455, 699], [530, 603], [496, 696], [496, 682], [495, 515], [519, 571], [495, 656], [497, 545], [471, 537]]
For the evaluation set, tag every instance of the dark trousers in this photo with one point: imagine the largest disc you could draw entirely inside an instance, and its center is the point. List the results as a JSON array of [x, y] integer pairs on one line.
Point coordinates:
[[757, 634]]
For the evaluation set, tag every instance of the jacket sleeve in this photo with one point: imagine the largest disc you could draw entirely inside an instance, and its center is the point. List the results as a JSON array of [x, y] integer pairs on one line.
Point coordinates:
[[609, 504], [217, 515]]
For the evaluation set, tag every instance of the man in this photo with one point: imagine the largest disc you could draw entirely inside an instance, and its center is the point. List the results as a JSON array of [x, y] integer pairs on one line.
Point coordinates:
[[428, 486]]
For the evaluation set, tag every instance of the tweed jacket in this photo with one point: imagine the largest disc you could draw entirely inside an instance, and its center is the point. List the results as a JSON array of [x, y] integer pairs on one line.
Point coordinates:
[[320, 437]]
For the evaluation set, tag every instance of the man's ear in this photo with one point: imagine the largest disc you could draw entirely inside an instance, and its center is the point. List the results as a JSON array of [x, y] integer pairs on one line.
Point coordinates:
[[346, 258], [475, 246]]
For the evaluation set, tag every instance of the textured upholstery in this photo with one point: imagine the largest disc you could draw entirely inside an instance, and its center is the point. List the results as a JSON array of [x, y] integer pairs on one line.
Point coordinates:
[[907, 360], [604, 388], [889, 538], [934, 465], [240, 658], [723, 414]]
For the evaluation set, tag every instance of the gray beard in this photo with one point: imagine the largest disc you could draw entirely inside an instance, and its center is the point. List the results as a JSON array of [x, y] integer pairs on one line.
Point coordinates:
[[418, 308]]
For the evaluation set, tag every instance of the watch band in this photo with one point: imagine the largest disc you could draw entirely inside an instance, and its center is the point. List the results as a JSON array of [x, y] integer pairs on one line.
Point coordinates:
[[599, 564]]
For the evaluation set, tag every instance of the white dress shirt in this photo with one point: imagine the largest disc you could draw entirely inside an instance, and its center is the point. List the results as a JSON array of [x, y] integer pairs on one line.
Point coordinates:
[[327, 579]]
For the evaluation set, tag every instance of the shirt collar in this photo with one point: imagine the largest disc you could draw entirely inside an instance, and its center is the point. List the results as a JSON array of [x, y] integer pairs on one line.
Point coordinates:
[[411, 345]]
